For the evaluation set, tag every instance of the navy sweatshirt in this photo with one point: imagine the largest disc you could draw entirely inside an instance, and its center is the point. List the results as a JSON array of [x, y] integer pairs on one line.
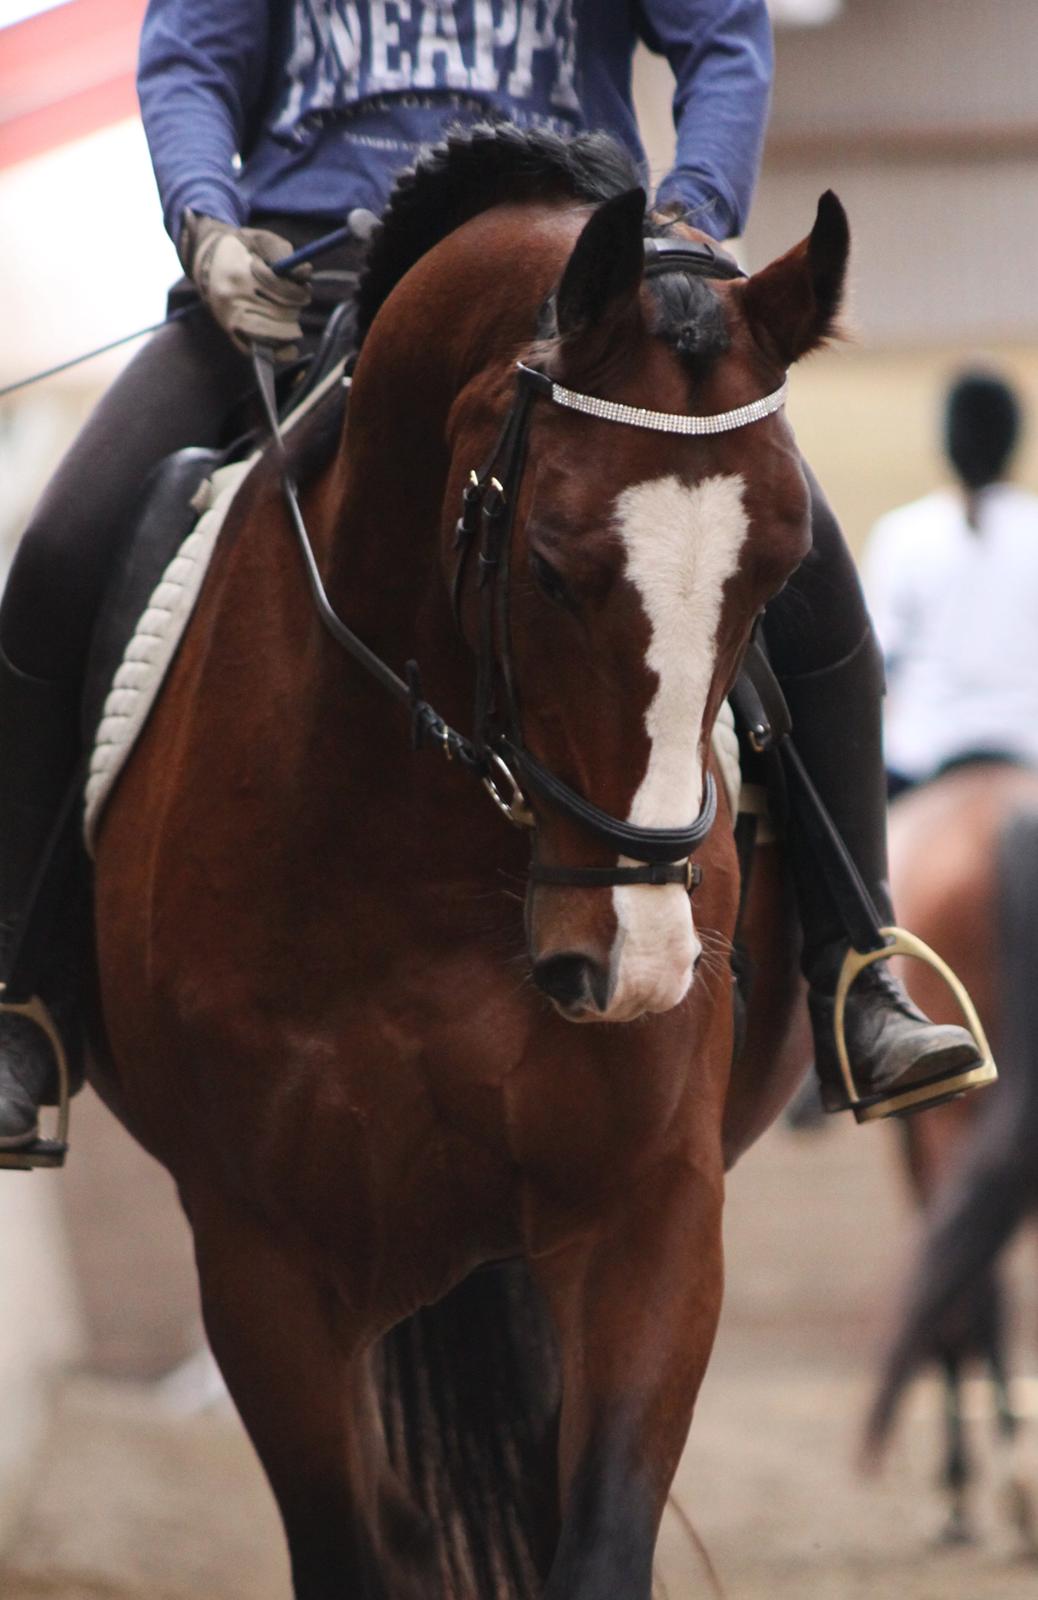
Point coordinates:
[[311, 107]]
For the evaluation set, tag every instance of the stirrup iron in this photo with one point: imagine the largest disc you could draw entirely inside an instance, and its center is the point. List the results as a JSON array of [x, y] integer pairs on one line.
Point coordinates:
[[902, 943], [41, 1152]]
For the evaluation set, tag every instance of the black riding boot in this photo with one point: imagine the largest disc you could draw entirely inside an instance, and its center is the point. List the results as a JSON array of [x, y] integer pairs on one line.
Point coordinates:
[[38, 751], [899, 1060]]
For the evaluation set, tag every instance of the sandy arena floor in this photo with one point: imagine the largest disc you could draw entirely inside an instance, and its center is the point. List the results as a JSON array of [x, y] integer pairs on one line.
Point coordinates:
[[135, 1497]]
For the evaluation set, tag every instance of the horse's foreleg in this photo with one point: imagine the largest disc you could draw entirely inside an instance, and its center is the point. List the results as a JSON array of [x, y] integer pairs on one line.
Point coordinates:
[[284, 1344], [1015, 1489], [956, 1474], [636, 1311]]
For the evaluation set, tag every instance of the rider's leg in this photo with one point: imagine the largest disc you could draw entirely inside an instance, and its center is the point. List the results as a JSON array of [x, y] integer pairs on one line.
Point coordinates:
[[178, 391], [826, 657]]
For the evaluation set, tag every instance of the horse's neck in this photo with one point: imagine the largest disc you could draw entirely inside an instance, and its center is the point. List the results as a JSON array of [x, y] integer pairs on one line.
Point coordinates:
[[383, 558], [376, 520], [386, 513], [395, 458], [380, 516]]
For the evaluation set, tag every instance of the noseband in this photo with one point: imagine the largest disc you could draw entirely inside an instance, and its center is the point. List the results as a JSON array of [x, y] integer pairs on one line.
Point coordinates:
[[496, 752]]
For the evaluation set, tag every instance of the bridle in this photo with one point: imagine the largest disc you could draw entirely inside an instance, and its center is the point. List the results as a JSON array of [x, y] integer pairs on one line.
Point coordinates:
[[496, 752]]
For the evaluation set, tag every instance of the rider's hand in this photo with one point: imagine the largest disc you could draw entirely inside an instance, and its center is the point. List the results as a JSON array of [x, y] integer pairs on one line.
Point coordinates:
[[230, 268]]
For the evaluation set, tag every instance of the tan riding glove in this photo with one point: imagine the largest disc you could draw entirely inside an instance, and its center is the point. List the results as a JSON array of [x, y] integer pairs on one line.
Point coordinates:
[[230, 269]]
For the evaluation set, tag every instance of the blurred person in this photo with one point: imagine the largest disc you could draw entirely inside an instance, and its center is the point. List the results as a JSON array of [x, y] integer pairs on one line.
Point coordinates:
[[952, 583], [269, 124]]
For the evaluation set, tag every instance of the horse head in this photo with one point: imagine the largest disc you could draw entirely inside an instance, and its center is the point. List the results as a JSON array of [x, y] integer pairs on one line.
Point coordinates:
[[638, 553]]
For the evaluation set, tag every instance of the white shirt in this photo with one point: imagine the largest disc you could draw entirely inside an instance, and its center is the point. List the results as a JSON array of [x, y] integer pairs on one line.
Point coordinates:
[[956, 611]]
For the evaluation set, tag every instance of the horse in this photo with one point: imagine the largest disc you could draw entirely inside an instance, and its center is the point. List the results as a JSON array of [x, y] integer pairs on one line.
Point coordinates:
[[448, 1103], [964, 868]]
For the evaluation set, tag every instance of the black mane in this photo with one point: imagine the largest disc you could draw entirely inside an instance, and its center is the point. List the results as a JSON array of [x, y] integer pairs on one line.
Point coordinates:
[[472, 170], [492, 163]]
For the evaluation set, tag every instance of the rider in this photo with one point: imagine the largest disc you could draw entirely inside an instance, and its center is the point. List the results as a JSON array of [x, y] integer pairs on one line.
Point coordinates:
[[952, 580], [268, 124]]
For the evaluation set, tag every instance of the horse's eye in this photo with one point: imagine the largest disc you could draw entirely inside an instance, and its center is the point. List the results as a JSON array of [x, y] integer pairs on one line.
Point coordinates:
[[550, 582]]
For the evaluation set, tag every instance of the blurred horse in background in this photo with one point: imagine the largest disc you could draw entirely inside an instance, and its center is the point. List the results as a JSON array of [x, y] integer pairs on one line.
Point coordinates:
[[964, 871]]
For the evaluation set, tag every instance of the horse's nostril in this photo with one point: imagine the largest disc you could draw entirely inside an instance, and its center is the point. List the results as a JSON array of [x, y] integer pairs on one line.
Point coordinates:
[[573, 981]]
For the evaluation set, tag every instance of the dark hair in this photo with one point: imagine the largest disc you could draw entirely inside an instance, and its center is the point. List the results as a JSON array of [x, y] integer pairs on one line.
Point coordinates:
[[981, 427]]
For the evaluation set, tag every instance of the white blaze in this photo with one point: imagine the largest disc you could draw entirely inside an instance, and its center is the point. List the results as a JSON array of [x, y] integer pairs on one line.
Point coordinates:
[[682, 546]]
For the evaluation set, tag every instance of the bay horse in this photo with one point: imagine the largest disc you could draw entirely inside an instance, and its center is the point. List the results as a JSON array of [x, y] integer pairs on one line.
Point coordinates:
[[458, 1232], [964, 871]]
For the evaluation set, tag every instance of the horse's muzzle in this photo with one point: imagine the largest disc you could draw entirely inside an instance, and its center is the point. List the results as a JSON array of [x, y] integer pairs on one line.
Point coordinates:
[[580, 986]]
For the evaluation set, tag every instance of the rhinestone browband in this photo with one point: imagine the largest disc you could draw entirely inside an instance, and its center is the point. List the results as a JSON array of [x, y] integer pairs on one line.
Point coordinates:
[[659, 421]]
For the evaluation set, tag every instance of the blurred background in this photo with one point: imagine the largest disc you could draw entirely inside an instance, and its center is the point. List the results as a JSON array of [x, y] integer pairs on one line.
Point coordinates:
[[122, 1472]]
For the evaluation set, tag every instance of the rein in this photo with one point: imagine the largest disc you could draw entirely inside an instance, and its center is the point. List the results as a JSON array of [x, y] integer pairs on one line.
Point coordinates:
[[496, 753]]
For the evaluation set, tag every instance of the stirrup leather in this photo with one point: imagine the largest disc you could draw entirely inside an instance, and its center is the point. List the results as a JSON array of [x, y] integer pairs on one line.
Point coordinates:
[[903, 943], [42, 1152]]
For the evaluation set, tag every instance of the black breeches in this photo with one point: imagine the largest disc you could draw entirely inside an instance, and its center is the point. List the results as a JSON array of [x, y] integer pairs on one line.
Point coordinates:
[[819, 618], [179, 390]]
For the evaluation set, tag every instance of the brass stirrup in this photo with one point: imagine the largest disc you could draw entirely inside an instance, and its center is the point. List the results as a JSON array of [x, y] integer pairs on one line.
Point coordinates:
[[41, 1152], [903, 943]]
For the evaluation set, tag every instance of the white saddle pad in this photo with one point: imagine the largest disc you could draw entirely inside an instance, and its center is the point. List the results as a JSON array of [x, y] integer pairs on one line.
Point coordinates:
[[146, 658], [148, 655]]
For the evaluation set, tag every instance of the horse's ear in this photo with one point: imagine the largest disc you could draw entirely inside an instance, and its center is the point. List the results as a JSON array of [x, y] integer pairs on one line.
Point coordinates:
[[792, 304], [605, 269]]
